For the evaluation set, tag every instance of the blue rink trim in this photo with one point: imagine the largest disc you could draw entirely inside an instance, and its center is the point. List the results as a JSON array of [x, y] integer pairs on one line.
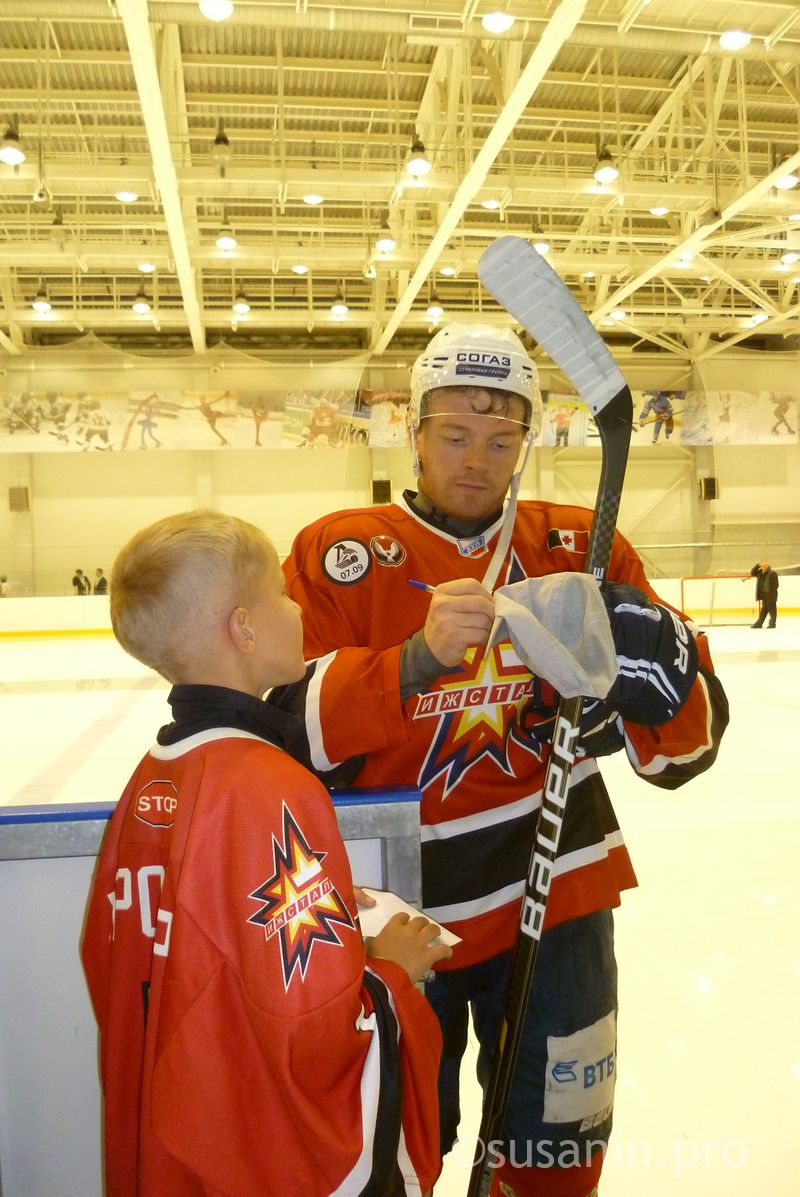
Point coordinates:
[[55, 813], [88, 811], [377, 795]]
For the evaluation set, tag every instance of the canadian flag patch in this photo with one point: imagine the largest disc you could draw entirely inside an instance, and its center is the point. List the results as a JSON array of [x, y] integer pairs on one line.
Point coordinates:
[[565, 538]]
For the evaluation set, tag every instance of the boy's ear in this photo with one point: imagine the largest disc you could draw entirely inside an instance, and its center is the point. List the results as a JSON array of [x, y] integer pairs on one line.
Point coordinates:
[[241, 631]]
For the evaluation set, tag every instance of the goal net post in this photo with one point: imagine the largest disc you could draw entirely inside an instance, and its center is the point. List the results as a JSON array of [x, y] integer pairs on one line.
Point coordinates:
[[719, 599]]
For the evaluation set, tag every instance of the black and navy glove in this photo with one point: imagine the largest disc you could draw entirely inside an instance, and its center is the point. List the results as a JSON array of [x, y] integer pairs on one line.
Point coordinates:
[[656, 653]]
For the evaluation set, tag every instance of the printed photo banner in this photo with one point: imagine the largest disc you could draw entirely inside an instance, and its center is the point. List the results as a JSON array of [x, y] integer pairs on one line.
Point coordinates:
[[340, 417], [60, 422], [684, 417]]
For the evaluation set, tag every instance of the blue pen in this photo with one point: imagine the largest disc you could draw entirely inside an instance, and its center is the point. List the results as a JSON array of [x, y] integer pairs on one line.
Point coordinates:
[[420, 585]]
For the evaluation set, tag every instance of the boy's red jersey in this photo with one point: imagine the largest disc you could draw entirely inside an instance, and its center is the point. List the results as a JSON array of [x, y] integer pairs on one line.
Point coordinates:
[[247, 1047]]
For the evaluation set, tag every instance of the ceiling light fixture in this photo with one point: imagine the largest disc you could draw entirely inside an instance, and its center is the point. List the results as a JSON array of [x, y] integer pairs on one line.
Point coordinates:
[[497, 22], [241, 304], [41, 301], [11, 152], [216, 10], [226, 240], [712, 216], [339, 308], [141, 304], [788, 179], [299, 268], [734, 39], [448, 271], [618, 314], [386, 243], [539, 241], [605, 170], [418, 164], [313, 199], [659, 210], [221, 149], [435, 310], [145, 264], [58, 230], [125, 193], [790, 257], [491, 205]]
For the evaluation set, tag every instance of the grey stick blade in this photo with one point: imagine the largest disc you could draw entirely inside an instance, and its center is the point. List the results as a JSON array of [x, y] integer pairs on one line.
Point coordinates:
[[527, 286]]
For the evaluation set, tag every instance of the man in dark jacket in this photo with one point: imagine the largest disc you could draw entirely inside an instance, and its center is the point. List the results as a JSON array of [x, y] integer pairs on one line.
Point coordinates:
[[766, 593]]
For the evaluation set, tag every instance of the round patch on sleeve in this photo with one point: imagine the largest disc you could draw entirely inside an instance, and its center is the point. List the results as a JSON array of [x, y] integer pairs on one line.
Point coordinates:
[[346, 562]]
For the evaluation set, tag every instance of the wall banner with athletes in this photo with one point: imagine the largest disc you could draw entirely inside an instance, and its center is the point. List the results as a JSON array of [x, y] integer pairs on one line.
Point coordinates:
[[57, 421], [310, 416], [683, 417]]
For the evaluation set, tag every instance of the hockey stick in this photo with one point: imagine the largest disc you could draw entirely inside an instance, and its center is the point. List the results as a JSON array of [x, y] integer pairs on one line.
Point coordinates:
[[522, 281]]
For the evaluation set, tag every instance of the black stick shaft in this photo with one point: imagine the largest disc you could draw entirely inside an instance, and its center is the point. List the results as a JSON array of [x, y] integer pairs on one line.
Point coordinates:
[[614, 425]]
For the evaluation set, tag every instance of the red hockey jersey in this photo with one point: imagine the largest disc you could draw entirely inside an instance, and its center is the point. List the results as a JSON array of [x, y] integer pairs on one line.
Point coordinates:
[[471, 743], [245, 1050]]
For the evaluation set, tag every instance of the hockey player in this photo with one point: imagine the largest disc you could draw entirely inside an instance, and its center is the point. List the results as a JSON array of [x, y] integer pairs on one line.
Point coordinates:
[[659, 409], [247, 1046], [471, 726]]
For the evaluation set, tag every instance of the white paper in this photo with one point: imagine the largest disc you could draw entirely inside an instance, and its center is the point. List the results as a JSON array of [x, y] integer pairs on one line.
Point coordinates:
[[374, 918]]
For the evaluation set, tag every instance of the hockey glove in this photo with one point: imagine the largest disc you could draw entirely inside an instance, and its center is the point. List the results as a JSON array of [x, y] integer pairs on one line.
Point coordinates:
[[656, 655]]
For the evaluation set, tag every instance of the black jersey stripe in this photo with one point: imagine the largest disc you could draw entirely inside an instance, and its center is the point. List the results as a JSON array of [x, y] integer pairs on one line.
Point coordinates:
[[467, 867]]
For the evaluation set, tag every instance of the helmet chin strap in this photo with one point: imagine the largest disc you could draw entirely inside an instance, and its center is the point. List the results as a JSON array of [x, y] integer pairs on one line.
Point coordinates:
[[504, 540]]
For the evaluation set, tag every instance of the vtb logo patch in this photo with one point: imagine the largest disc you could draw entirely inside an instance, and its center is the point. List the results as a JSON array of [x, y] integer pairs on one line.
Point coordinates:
[[300, 905]]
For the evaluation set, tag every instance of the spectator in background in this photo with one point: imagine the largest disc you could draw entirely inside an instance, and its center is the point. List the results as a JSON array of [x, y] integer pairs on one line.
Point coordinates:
[[766, 593], [80, 583], [3, 586], [100, 582]]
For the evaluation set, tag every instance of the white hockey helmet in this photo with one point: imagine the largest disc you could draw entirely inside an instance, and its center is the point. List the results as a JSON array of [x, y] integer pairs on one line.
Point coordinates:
[[476, 355], [479, 355]]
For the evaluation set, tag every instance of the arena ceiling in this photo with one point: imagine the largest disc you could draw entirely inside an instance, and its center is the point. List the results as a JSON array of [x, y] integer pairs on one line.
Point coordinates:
[[231, 124]]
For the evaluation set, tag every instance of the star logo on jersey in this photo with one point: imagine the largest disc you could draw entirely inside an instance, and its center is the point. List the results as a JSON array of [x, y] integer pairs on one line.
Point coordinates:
[[480, 713], [300, 906]]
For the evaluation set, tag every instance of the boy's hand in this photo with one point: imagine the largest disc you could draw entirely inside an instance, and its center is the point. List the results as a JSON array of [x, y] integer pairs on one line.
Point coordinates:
[[460, 615], [407, 941], [362, 897]]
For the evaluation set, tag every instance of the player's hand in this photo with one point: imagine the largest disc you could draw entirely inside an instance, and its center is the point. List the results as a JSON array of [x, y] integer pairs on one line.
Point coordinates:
[[461, 615], [363, 898], [407, 941]]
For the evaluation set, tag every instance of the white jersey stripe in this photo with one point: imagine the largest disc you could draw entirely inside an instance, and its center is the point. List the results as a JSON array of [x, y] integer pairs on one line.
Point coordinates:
[[659, 763], [361, 1171], [509, 893], [319, 757], [171, 752], [498, 814]]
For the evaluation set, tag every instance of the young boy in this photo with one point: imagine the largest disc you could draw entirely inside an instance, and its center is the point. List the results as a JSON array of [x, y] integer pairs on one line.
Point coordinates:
[[248, 1046]]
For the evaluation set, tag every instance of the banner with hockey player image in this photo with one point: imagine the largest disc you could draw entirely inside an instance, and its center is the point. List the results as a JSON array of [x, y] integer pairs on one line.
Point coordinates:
[[340, 416]]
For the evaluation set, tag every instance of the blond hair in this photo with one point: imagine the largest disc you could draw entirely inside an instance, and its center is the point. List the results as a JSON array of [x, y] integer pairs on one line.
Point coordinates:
[[173, 581]]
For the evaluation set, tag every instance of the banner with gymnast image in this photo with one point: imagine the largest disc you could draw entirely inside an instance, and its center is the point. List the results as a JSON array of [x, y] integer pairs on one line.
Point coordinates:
[[336, 417]]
